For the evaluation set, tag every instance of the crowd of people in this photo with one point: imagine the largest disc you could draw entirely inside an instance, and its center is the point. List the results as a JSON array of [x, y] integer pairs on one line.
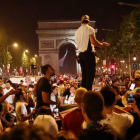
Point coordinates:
[[58, 108], [72, 107]]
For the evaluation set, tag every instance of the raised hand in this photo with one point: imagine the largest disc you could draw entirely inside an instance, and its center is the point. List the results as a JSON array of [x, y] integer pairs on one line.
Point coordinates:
[[12, 92], [34, 111], [105, 44], [57, 105]]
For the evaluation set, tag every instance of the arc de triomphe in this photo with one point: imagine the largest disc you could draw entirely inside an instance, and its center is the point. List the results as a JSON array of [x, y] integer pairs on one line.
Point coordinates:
[[54, 34]]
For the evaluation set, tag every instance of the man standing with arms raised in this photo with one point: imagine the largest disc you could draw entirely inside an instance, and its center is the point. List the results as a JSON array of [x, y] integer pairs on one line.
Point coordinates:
[[86, 41]]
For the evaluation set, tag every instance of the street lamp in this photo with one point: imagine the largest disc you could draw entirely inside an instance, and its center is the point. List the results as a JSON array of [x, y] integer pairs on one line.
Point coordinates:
[[26, 51], [134, 58], [15, 45]]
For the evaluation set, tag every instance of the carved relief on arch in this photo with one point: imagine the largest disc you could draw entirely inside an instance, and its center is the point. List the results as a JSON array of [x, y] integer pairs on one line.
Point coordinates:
[[59, 43], [58, 40], [47, 59], [47, 44]]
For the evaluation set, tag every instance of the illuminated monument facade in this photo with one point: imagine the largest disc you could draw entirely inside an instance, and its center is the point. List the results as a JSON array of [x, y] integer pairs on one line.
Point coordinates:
[[52, 35]]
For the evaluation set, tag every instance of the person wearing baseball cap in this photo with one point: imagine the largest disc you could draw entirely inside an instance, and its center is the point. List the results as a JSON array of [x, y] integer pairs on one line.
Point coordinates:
[[121, 122], [85, 18], [93, 110], [86, 41]]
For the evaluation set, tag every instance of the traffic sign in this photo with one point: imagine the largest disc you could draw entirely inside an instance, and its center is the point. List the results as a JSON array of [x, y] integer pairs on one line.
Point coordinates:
[[135, 67]]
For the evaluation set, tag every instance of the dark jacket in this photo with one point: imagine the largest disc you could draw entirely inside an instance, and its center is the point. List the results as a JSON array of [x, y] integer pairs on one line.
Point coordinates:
[[100, 132]]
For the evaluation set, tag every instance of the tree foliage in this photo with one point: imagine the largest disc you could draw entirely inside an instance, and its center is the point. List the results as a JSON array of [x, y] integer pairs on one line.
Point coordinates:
[[25, 60], [5, 56], [127, 39], [17, 55], [33, 60]]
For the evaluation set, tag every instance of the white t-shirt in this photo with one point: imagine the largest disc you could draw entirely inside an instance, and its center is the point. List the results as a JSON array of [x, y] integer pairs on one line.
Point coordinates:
[[53, 107], [48, 123], [53, 98], [9, 99], [69, 100], [120, 122], [82, 37], [20, 111]]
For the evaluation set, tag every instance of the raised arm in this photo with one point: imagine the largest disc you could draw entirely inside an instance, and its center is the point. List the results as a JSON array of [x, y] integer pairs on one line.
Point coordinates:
[[96, 43], [11, 92], [26, 117]]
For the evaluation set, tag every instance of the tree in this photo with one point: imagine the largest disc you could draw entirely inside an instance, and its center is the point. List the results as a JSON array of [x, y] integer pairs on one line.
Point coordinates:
[[25, 60], [33, 60], [126, 40], [17, 53], [5, 56], [9, 58], [130, 33]]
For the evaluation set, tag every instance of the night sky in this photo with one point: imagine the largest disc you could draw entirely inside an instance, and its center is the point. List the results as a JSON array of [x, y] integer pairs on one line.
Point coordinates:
[[19, 17]]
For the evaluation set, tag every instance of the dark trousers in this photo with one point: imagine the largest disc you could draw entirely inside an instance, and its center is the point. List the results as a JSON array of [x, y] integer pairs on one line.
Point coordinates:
[[87, 62]]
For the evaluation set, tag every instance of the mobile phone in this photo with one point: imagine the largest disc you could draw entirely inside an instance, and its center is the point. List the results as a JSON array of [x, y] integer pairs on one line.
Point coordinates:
[[130, 98], [97, 88], [132, 86], [56, 113]]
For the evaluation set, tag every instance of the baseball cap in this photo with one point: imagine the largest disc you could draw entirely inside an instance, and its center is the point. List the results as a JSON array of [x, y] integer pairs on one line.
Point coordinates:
[[93, 103], [85, 17]]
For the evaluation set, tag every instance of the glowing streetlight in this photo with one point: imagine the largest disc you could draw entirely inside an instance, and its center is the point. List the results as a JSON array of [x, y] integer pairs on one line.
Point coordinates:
[[15, 45], [26, 51], [134, 58]]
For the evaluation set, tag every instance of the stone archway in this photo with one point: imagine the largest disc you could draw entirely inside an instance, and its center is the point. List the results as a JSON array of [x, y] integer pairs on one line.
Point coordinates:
[[52, 36], [70, 41], [69, 65]]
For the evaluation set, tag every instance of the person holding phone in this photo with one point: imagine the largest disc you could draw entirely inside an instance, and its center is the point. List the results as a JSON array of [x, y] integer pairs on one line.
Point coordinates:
[[133, 92], [119, 121], [54, 97], [2, 98]]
